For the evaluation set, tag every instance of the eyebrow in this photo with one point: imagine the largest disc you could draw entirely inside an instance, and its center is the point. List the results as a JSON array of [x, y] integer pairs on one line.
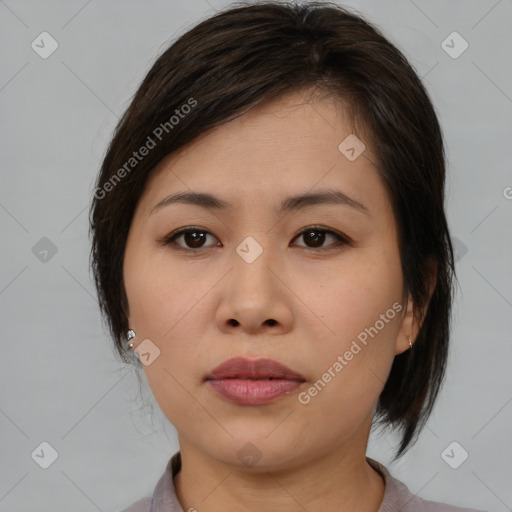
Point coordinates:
[[293, 203]]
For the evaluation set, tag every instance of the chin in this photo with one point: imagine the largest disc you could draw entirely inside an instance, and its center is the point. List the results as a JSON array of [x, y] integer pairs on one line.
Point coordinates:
[[254, 454]]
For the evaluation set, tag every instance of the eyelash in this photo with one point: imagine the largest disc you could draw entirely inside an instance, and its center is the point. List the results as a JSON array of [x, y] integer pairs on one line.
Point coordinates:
[[170, 240]]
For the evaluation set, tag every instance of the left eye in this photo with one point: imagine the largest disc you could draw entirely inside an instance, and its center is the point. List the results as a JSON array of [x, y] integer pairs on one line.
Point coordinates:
[[194, 238], [317, 236]]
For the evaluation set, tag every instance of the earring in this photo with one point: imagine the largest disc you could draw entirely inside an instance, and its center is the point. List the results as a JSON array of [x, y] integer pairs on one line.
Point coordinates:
[[131, 334], [410, 342]]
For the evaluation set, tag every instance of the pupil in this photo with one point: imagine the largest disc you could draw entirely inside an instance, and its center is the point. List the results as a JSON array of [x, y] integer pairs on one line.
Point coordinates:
[[199, 238], [317, 240]]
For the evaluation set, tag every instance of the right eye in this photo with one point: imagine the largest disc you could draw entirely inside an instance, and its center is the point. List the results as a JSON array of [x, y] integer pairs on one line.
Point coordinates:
[[193, 238]]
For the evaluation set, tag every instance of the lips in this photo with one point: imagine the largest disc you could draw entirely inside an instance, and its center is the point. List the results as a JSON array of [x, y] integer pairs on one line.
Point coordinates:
[[260, 382], [260, 369]]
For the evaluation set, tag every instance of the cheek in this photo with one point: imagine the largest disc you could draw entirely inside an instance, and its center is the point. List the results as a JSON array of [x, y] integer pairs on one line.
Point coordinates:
[[169, 388], [350, 296], [357, 313], [159, 295], [169, 307]]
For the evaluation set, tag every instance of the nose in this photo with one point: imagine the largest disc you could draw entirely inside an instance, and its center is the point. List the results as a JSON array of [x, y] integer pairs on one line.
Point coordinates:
[[255, 297]]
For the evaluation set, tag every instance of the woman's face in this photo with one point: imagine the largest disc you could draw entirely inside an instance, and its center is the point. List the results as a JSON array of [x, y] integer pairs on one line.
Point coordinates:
[[248, 282]]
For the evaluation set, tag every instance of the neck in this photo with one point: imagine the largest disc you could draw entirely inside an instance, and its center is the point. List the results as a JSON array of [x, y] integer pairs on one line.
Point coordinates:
[[322, 483]]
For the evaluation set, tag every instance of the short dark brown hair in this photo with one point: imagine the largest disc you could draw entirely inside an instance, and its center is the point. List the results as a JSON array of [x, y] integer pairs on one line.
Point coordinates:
[[252, 53]]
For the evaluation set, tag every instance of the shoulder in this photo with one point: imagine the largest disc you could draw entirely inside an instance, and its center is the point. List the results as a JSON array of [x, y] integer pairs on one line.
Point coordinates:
[[417, 504], [143, 505], [397, 497], [164, 496]]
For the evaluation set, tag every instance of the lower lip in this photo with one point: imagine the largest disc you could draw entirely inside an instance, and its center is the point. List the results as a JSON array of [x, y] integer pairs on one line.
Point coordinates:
[[254, 392]]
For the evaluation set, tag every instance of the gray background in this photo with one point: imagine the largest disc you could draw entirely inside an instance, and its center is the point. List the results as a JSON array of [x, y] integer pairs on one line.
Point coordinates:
[[60, 382]]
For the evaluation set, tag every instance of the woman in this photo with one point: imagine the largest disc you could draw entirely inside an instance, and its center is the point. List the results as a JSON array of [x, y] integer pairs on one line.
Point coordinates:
[[269, 237]]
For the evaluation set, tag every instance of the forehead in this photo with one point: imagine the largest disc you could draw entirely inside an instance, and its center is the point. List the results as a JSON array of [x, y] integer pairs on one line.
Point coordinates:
[[281, 148]]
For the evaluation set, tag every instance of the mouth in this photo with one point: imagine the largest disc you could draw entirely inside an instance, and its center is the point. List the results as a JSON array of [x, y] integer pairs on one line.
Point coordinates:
[[245, 382]]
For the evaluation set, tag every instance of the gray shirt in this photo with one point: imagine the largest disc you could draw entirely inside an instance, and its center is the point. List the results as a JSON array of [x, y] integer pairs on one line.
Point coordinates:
[[397, 496]]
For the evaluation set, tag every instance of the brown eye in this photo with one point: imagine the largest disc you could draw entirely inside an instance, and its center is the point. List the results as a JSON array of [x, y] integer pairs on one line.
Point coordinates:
[[314, 238], [193, 238]]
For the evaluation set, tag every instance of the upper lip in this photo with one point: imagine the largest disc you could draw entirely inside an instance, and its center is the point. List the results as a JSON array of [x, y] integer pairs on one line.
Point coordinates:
[[240, 367]]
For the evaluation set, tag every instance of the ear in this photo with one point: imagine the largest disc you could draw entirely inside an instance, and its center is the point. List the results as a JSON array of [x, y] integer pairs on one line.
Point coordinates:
[[413, 319], [408, 327]]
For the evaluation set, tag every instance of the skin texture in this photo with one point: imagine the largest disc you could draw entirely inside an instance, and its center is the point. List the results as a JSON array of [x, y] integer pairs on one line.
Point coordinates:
[[312, 455]]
